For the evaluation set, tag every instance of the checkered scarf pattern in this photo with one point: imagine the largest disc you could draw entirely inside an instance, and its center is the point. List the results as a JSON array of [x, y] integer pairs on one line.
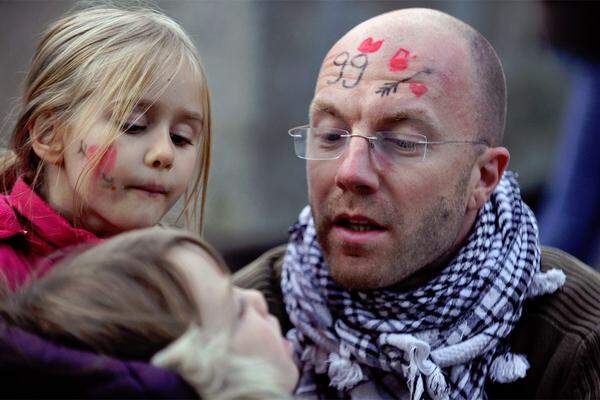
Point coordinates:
[[444, 339]]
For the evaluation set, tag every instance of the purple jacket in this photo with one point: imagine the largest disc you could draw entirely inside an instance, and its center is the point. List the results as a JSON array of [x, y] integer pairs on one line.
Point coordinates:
[[34, 367]]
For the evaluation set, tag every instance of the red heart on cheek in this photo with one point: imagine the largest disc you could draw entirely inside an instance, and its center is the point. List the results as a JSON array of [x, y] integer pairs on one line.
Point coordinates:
[[107, 163], [369, 46]]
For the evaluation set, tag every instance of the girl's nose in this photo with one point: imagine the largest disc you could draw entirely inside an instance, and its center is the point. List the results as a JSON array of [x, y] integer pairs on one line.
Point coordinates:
[[161, 152]]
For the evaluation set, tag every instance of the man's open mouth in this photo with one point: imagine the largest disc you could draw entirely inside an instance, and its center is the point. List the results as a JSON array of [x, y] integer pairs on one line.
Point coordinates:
[[357, 223]]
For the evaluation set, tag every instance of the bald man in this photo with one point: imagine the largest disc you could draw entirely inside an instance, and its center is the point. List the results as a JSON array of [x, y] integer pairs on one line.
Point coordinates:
[[408, 272]]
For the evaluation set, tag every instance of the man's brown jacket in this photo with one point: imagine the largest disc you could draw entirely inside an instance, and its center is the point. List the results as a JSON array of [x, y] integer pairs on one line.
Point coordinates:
[[559, 333]]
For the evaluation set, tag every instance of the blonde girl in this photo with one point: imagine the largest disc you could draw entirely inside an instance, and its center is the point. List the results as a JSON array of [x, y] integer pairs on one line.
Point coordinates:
[[155, 295], [113, 128]]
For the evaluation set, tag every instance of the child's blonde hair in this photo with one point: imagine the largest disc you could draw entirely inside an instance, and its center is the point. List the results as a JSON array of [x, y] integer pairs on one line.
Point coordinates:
[[126, 298], [99, 61]]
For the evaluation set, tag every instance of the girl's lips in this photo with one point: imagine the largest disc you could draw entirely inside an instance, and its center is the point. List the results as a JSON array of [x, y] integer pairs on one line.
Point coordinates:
[[150, 189]]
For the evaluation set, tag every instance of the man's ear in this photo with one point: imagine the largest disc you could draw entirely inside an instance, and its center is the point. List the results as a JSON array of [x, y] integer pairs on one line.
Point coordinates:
[[490, 167], [46, 142]]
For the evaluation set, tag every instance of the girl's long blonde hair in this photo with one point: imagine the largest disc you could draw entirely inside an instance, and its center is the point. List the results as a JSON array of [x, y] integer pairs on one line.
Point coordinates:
[[100, 61], [125, 298]]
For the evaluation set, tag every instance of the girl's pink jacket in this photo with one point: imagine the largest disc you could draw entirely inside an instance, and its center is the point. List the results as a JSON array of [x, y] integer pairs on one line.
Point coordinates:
[[31, 231]]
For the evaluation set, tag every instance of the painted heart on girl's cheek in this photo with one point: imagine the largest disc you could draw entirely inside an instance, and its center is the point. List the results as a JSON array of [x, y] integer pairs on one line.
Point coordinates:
[[105, 165], [107, 162], [369, 46]]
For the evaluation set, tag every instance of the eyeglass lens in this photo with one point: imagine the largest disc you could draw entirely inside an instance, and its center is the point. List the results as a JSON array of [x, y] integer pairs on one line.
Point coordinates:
[[330, 143]]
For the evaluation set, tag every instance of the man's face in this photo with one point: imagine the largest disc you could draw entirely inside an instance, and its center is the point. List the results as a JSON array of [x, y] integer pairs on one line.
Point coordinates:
[[380, 222]]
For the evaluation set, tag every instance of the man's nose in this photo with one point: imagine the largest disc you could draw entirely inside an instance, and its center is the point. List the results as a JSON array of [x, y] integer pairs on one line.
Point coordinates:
[[357, 171], [161, 151]]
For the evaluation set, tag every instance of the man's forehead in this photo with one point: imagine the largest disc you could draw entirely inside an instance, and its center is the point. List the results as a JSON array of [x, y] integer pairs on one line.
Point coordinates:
[[394, 53], [395, 66]]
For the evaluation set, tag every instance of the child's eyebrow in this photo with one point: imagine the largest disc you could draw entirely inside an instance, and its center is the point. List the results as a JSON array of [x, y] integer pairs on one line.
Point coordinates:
[[194, 115], [146, 105]]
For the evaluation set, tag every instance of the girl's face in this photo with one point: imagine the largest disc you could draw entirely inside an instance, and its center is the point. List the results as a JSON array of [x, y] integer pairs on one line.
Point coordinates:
[[144, 171], [256, 333]]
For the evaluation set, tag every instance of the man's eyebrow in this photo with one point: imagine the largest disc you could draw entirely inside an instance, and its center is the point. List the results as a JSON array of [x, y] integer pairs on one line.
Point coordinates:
[[320, 106], [403, 115], [418, 115]]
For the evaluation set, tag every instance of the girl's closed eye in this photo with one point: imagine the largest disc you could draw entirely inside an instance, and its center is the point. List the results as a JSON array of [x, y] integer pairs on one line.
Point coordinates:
[[133, 129], [180, 140], [182, 134], [137, 123]]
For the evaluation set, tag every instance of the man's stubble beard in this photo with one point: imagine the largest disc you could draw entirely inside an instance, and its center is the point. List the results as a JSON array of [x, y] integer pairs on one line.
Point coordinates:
[[422, 249]]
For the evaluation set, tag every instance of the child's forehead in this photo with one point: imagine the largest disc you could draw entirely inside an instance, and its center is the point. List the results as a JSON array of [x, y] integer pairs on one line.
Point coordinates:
[[210, 287], [191, 250], [185, 74], [184, 81]]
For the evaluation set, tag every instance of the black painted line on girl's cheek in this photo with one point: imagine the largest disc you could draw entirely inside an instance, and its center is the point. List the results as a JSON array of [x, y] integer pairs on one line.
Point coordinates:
[[82, 149], [108, 182]]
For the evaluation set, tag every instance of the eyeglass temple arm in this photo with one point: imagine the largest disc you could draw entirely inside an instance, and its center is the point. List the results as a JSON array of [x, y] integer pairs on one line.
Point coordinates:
[[457, 141]]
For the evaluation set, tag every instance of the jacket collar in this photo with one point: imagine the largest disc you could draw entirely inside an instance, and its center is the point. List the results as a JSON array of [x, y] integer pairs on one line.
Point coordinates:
[[49, 227]]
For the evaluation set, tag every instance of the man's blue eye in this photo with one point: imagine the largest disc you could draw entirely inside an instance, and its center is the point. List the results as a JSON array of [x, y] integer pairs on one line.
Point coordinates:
[[403, 145], [332, 136]]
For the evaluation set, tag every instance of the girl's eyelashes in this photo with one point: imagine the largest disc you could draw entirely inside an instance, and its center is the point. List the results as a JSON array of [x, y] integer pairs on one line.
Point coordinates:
[[133, 129], [180, 140]]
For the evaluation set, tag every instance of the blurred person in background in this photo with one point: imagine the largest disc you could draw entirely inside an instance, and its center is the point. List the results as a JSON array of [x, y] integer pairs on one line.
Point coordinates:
[[569, 216]]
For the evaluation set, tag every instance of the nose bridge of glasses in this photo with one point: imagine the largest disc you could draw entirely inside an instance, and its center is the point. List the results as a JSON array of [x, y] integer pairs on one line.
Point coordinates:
[[370, 139], [355, 150]]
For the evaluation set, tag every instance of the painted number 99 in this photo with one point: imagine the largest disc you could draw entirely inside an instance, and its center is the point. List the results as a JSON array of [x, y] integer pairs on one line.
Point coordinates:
[[358, 62]]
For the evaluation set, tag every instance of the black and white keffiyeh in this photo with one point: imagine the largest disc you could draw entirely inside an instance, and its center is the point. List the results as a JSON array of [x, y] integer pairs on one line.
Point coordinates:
[[444, 339]]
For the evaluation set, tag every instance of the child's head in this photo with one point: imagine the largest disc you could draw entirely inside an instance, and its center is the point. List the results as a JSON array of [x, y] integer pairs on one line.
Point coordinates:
[[135, 294], [114, 124]]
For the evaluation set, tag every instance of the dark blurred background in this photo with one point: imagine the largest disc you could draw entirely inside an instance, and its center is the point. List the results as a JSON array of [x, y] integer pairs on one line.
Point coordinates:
[[262, 59]]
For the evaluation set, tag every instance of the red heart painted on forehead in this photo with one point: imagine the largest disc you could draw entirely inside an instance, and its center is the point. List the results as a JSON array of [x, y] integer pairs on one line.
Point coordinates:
[[369, 46], [400, 60], [418, 89]]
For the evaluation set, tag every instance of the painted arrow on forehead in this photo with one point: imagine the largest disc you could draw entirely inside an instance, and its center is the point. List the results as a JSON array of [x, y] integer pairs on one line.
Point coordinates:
[[418, 89]]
